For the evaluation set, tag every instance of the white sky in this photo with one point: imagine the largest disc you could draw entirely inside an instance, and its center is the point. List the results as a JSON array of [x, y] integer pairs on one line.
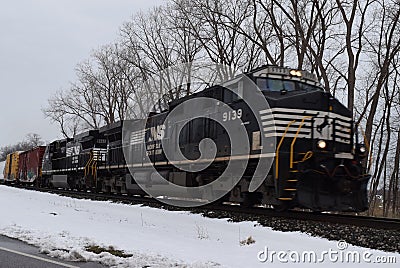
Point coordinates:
[[41, 41]]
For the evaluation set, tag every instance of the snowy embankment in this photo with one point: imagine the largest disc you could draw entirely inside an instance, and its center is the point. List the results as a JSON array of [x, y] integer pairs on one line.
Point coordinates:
[[64, 227]]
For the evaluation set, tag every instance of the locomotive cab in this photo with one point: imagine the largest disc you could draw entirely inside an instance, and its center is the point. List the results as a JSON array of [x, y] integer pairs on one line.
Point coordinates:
[[317, 161]]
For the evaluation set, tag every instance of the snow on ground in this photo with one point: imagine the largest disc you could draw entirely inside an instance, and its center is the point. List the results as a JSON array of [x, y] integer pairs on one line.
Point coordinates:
[[63, 227]]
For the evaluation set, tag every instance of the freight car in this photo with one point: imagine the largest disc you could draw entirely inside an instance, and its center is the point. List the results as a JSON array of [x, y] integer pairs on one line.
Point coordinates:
[[10, 171], [317, 162], [30, 165]]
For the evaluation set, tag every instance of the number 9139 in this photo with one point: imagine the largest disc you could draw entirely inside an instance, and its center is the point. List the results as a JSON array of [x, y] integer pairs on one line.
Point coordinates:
[[232, 115]]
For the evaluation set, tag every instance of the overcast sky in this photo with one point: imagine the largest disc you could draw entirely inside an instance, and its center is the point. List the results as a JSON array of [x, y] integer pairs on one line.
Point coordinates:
[[41, 41]]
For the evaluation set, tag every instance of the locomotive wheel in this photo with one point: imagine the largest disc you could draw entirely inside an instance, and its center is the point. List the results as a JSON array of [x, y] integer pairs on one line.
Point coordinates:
[[250, 199], [281, 207]]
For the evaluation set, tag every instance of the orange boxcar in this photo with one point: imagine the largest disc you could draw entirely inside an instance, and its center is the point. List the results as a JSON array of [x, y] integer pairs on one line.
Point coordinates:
[[11, 167]]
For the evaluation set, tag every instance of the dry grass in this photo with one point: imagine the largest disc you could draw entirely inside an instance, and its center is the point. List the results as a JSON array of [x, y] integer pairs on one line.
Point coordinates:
[[110, 249], [247, 241]]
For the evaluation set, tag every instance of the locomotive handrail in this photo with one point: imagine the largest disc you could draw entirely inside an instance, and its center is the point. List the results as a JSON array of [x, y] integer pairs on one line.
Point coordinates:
[[307, 156], [295, 138], [278, 148], [88, 163]]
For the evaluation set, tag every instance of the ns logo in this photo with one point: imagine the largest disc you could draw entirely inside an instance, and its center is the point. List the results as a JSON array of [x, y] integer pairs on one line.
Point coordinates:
[[157, 133]]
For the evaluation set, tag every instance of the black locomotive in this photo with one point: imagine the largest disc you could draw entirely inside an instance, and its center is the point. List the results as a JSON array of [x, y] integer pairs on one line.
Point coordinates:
[[317, 160]]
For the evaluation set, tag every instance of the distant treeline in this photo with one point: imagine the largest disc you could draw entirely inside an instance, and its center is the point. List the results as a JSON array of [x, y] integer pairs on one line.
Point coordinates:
[[31, 140]]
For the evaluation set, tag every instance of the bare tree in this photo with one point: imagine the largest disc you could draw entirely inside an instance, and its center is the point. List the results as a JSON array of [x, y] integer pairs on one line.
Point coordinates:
[[217, 25], [385, 50], [34, 140]]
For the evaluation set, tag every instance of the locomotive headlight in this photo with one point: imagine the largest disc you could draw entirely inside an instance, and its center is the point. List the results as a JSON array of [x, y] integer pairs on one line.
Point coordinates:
[[296, 73], [362, 149], [321, 144]]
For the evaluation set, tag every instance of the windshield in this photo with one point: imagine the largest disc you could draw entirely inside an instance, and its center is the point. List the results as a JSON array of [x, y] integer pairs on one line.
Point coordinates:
[[271, 84]]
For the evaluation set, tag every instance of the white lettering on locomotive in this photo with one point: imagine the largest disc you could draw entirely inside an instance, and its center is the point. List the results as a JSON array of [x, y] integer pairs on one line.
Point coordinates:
[[157, 133], [74, 150]]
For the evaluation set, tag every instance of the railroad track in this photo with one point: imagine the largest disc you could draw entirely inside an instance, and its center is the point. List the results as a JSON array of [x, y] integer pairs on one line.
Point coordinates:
[[352, 220]]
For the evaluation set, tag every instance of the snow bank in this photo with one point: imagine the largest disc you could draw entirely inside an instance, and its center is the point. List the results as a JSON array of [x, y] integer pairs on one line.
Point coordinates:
[[63, 227]]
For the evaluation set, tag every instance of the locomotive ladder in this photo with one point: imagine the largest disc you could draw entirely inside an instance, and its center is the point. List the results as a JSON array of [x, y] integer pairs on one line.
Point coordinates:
[[90, 170], [288, 186]]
